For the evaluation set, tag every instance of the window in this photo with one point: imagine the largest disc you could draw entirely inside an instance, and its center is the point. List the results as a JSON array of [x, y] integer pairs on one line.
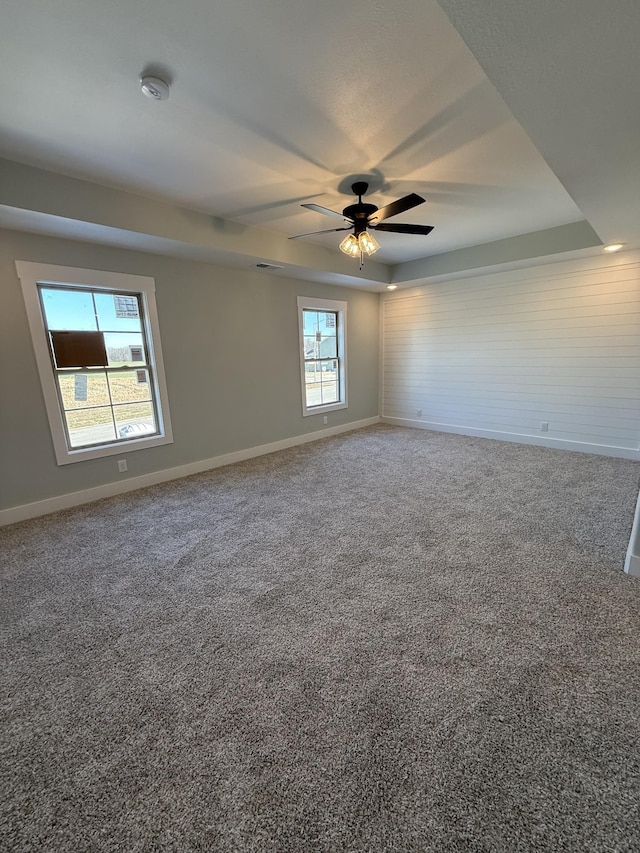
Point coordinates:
[[322, 324], [97, 345]]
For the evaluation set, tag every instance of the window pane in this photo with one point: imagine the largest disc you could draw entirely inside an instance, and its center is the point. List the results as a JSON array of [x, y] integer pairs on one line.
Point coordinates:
[[310, 321], [320, 334], [68, 310], [125, 348], [328, 323], [118, 312], [92, 426], [312, 377], [81, 390], [134, 420], [130, 387], [329, 391], [310, 347], [322, 382], [328, 348]]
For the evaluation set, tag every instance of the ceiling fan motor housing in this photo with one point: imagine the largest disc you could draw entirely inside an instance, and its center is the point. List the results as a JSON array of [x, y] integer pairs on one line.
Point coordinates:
[[359, 214]]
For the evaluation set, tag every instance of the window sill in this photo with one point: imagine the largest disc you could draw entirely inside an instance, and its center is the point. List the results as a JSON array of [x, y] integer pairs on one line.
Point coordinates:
[[65, 456], [322, 410]]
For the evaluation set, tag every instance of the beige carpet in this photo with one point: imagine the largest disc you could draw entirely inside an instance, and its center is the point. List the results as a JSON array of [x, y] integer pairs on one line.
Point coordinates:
[[393, 640]]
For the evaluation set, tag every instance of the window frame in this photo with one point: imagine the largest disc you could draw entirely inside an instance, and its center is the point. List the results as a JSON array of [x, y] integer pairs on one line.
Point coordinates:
[[340, 308], [32, 275]]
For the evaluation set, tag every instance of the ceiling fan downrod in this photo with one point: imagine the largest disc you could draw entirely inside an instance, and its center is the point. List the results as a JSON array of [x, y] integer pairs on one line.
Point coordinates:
[[361, 213]]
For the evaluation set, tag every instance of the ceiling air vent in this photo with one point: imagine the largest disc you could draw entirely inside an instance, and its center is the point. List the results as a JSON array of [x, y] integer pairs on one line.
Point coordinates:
[[263, 266]]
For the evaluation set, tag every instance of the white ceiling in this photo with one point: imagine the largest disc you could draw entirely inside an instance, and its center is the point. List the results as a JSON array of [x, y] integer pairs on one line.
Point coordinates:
[[288, 101]]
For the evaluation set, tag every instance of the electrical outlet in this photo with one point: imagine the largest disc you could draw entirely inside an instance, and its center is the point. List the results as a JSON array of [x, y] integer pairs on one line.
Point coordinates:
[[544, 426], [419, 412], [325, 420], [122, 465]]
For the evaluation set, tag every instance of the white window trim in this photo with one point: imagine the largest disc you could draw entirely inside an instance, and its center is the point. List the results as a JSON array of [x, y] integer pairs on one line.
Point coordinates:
[[312, 304], [32, 274]]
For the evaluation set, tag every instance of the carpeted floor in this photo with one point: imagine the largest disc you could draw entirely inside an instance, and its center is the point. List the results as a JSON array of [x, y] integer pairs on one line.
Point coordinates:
[[392, 640]]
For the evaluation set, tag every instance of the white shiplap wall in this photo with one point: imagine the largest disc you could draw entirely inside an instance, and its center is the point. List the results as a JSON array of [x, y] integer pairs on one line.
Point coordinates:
[[496, 355]]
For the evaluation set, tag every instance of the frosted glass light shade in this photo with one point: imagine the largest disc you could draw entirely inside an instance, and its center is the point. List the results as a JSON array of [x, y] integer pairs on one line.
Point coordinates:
[[367, 243], [350, 246]]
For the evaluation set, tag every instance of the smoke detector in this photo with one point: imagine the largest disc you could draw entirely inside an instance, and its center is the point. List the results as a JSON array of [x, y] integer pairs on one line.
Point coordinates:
[[154, 88]]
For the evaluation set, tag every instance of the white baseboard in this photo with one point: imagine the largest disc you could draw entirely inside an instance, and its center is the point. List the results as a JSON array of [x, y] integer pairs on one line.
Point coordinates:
[[557, 443], [108, 490], [632, 565], [632, 562]]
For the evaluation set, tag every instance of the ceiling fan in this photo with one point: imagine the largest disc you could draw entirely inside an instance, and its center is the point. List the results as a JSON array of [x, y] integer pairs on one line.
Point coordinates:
[[362, 216]]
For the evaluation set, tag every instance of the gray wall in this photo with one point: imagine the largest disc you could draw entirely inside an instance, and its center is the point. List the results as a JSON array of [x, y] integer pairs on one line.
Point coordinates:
[[230, 343]]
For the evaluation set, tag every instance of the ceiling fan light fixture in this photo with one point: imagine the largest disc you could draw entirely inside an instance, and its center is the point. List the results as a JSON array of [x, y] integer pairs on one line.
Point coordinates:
[[367, 243], [362, 214], [350, 246]]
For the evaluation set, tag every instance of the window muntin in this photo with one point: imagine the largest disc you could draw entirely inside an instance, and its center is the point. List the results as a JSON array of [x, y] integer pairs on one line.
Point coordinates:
[[322, 342], [114, 326], [101, 404]]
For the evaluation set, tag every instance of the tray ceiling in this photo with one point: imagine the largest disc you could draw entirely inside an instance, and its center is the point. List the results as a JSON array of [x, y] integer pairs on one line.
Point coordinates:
[[274, 104]]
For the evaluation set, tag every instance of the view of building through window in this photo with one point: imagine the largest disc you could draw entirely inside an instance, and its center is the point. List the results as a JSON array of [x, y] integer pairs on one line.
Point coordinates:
[[321, 357], [100, 358]]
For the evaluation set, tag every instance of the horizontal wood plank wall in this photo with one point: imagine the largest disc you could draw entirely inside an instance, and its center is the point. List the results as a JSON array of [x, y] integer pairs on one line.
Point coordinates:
[[499, 354]]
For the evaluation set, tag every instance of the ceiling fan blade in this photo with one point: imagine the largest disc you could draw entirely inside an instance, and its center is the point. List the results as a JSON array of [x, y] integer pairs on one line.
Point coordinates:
[[399, 206], [326, 231], [403, 229], [327, 211]]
